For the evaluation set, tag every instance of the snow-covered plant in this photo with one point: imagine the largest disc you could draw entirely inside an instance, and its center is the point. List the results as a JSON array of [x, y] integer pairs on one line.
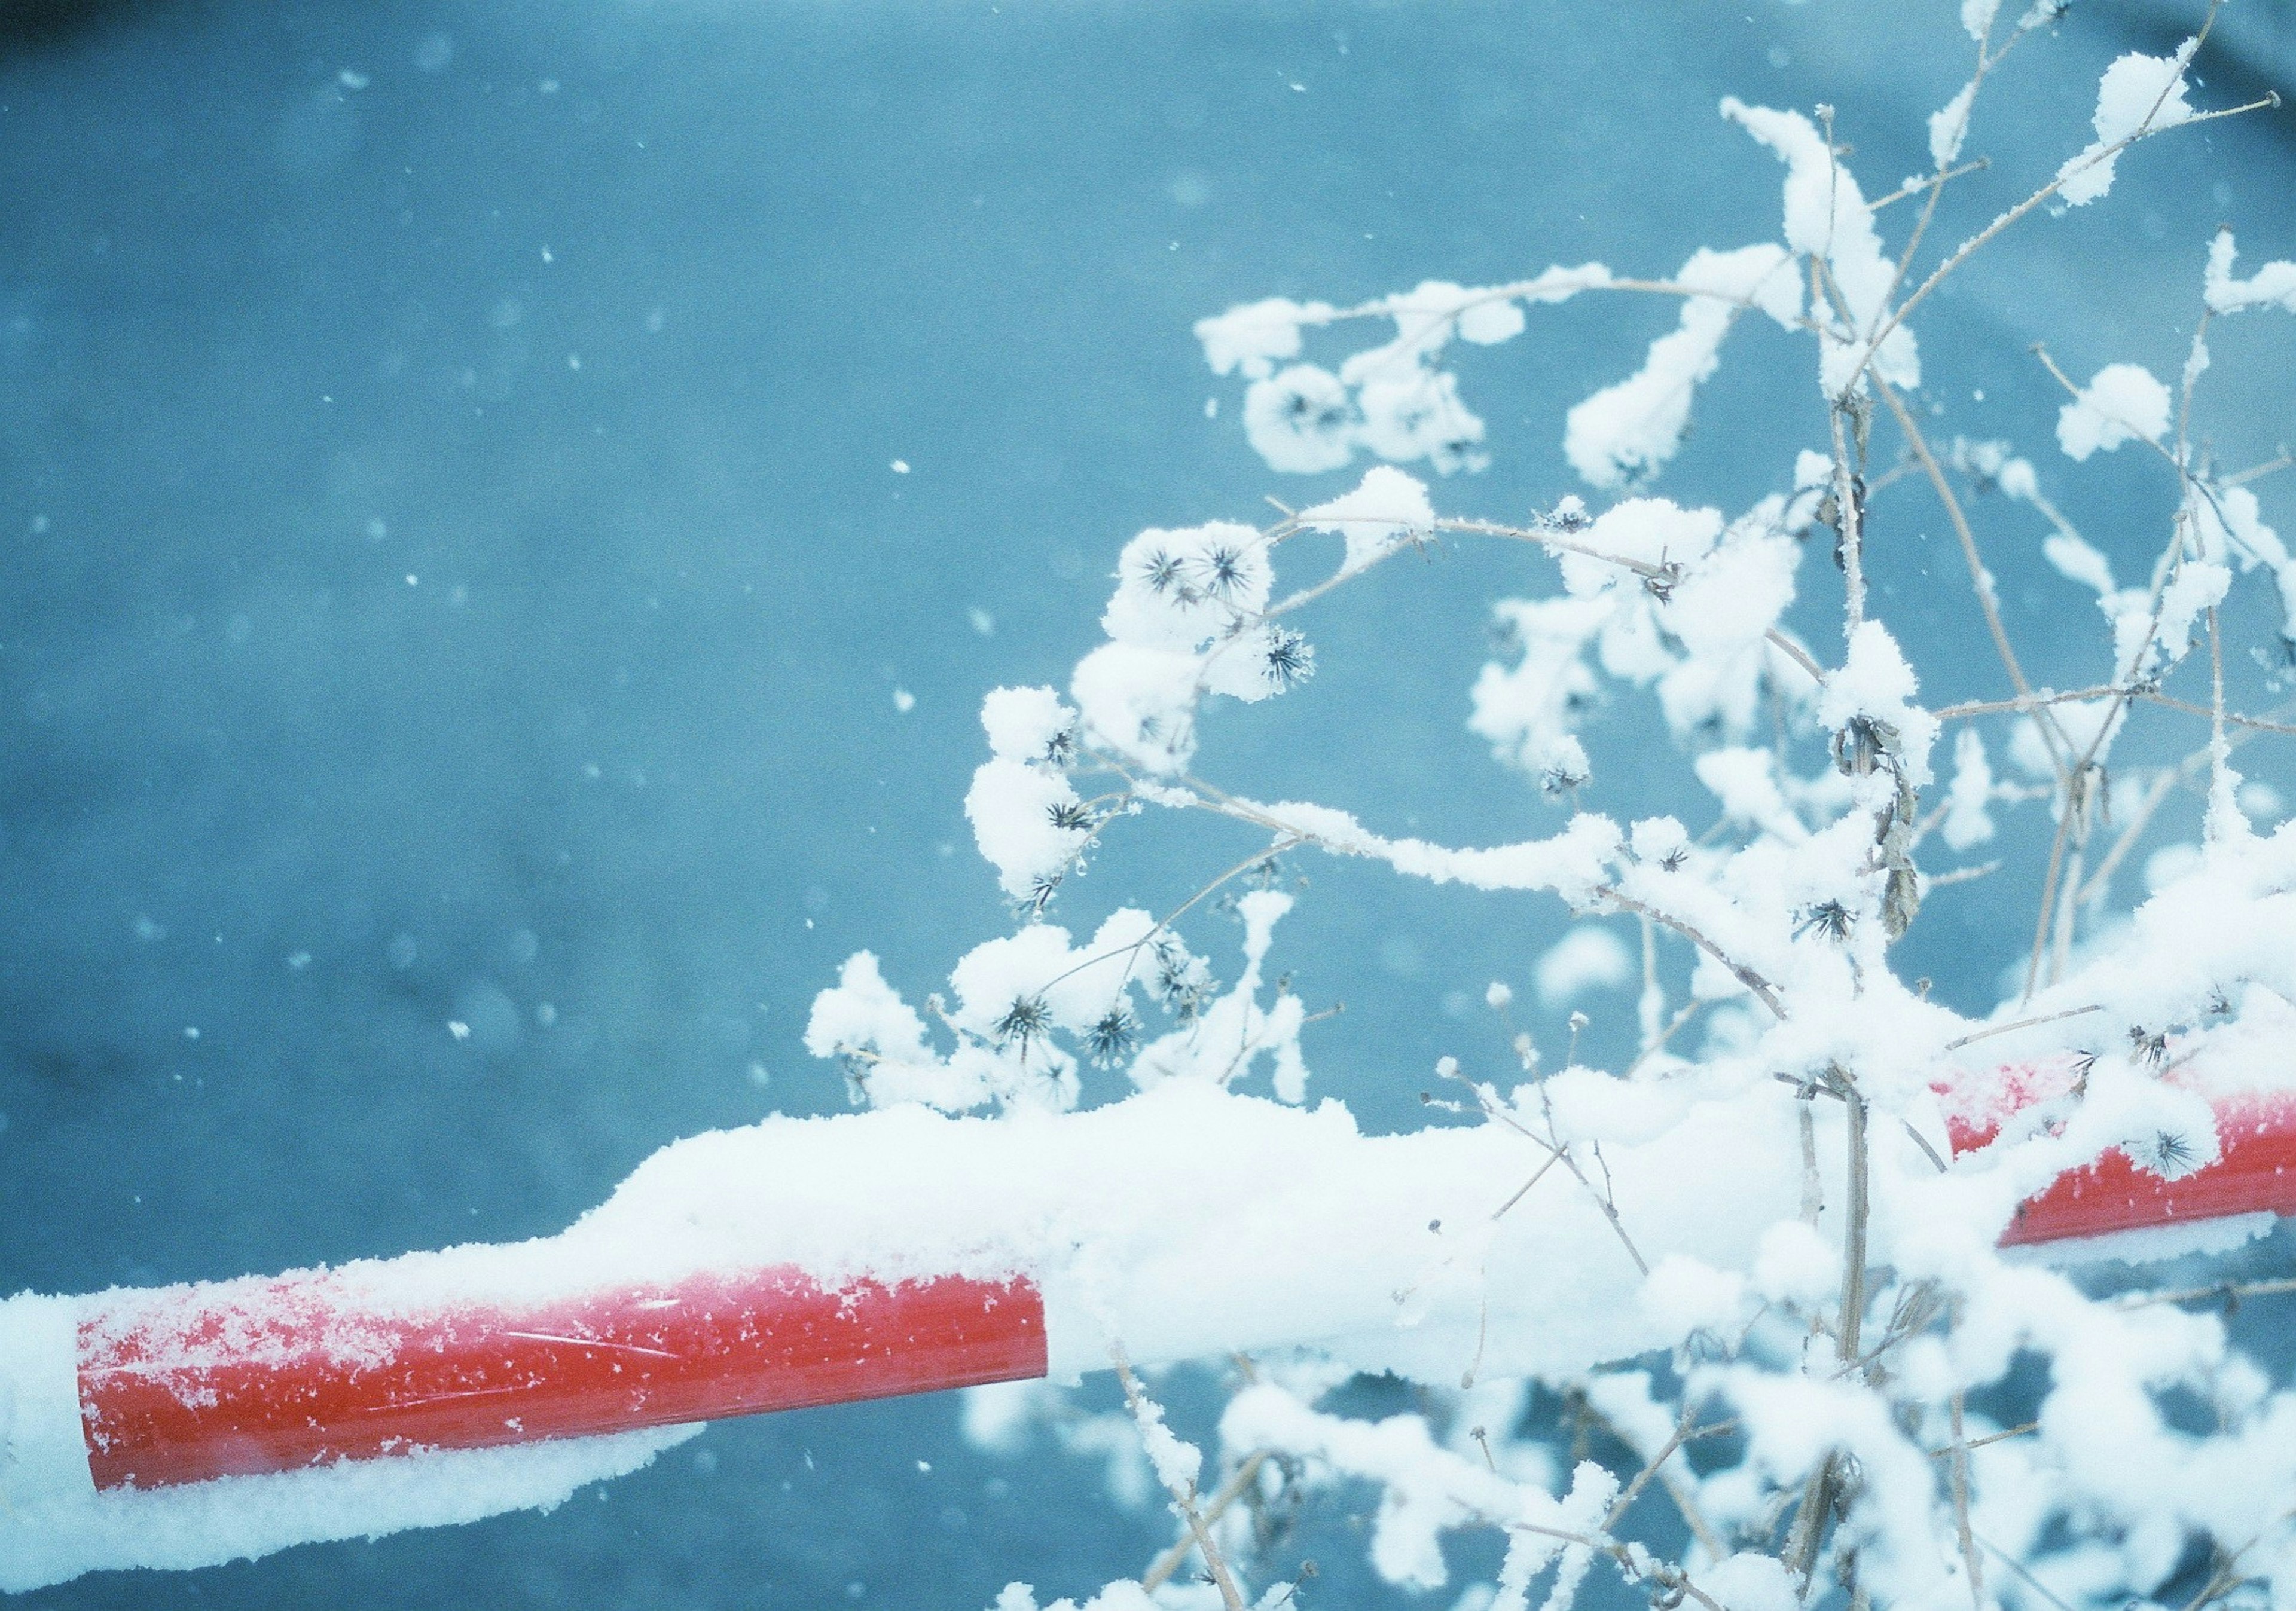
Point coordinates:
[[1858, 1398]]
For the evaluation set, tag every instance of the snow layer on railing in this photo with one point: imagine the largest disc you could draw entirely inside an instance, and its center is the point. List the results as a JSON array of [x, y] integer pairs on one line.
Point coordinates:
[[1185, 1222]]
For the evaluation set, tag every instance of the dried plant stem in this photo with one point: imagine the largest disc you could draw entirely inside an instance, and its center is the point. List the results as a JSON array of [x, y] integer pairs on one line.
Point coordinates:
[[1670, 1578], [1160, 1572], [1660, 1466], [1853, 1241], [1851, 518], [1969, 247], [2026, 1430], [1211, 799], [1813, 1187], [1184, 1497], [1165, 923], [1971, 1562], [1981, 579], [2224, 1292], [2272, 466], [1754, 982], [2018, 1566], [1991, 1030], [1974, 165], [1960, 875], [2029, 702], [1557, 1152], [2231, 718], [1688, 1011]]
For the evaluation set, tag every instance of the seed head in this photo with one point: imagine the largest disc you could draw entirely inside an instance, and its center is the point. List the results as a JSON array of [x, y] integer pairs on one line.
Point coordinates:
[[1028, 1018]]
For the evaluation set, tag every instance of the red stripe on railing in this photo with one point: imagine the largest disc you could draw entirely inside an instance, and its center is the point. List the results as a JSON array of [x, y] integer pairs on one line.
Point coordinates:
[[2255, 1171], [188, 1383]]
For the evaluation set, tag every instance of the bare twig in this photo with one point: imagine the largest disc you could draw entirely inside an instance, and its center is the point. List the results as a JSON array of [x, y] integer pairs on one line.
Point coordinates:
[[1660, 1466], [1969, 247], [1974, 165], [1960, 875], [1971, 1562], [1991, 1030], [2018, 1566], [2272, 466], [1184, 1497], [2229, 717], [1981, 579], [1160, 1571], [2026, 1430], [2027, 703], [2223, 1292]]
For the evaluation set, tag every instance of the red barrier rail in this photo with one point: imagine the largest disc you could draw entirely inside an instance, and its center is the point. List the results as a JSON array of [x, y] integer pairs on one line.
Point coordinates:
[[2254, 1172], [191, 1383]]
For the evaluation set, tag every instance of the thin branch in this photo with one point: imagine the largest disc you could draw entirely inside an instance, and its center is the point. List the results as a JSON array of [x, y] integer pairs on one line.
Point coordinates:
[[1667, 1577], [1686, 1499], [1971, 1562], [1160, 1572], [2256, 472], [1959, 875], [1974, 165], [1969, 247], [1981, 579], [1183, 1499], [2224, 1292], [1690, 1009], [2231, 717], [1795, 652], [1853, 1251], [2018, 1566], [1988, 1032], [2028, 1429], [1754, 982], [2027, 703]]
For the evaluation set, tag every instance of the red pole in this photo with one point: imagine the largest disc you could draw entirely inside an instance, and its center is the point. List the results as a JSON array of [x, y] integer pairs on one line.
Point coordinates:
[[2254, 1171], [189, 1383]]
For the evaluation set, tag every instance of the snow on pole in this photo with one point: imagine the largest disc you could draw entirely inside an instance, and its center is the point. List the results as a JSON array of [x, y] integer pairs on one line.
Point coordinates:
[[807, 1262]]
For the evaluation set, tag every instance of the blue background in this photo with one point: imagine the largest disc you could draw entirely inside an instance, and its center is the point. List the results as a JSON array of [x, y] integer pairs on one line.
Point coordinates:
[[366, 665]]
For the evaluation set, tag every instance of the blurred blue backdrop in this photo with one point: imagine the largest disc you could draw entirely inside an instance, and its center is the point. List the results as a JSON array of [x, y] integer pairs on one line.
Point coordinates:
[[456, 572]]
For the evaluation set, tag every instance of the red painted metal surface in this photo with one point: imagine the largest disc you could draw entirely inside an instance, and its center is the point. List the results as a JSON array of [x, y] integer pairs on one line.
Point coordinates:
[[188, 1383], [2255, 1171]]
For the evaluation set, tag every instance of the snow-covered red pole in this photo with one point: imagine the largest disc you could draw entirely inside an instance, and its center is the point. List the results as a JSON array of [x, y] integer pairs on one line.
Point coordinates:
[[805, 1263]]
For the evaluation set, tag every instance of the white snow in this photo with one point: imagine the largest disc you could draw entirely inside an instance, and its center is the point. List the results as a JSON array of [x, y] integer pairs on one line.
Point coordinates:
[[2139, 94], [1949, 127], [1586, 959], [2274, 285], [1253, 338], [1968, 819], [1387, 509], [1826, 217], [2123, 403], [1301, 421], [1628, 431], [1012, 806]]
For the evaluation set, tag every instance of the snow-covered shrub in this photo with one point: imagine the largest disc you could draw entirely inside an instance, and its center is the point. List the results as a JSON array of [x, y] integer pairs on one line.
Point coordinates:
[[1820, 1414]]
